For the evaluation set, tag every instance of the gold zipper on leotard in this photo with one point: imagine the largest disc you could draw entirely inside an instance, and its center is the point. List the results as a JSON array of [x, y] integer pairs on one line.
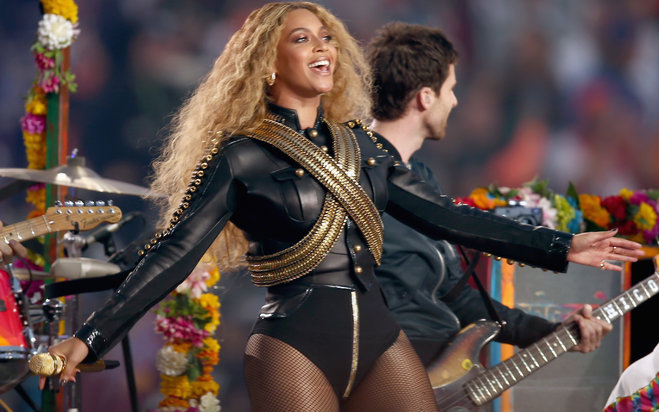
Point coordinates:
[[355, 344]]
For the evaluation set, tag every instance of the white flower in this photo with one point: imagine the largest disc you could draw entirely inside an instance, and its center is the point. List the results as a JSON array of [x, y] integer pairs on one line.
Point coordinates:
[[56, 32], [171, 363], [209, 403]]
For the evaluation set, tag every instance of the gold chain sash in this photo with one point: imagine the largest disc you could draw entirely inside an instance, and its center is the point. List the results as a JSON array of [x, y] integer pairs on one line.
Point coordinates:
[[340, 177]]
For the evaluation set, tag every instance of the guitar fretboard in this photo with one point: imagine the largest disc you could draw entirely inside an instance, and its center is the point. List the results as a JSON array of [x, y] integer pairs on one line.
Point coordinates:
[[494, 381], [68, 217], [26, 230]]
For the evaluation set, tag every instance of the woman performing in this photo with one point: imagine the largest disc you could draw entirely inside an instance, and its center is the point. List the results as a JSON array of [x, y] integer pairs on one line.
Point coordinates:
[[265, 156]]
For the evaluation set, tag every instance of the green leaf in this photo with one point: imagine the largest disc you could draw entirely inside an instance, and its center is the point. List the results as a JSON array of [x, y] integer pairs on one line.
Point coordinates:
[[541, 187], [632, 210], [572, 192], [195, 368], [37, 47], [512, 193], [58, 58], [653, 194]]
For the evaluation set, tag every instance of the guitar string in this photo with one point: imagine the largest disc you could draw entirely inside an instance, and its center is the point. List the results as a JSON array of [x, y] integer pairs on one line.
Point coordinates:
[[11, 231], [38, 222], [570, 331], [457, 398]]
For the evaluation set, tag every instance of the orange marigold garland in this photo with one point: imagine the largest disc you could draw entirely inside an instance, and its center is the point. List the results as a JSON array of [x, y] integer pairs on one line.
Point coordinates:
[[187, 320], [57, 29]]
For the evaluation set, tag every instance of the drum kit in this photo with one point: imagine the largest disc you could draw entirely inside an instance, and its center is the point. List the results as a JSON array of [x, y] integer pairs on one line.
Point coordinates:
[[18, 316]]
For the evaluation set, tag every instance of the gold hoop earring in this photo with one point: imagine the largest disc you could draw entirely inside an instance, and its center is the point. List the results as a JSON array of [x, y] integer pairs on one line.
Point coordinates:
[[271, 79]]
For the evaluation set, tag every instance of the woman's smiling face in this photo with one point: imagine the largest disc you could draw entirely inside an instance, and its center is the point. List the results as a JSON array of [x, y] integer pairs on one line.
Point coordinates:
[[306, 58]]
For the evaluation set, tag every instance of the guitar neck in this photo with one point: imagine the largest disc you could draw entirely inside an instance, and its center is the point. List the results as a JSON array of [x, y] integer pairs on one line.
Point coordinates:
[[494, 381], [27, 230], [71, 216]]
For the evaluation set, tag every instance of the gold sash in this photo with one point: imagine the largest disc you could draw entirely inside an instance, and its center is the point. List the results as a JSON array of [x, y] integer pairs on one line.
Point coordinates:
[[345, 196]]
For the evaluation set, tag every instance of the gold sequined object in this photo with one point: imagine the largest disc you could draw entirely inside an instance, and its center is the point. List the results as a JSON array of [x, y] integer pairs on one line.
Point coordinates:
[[47, 364], [340, 176]]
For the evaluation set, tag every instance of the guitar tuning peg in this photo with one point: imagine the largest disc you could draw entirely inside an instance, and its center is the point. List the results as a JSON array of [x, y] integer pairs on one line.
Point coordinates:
[[100, 203], [58, 203], [110, 202], [79, 203], [68, 203], [89, 203]]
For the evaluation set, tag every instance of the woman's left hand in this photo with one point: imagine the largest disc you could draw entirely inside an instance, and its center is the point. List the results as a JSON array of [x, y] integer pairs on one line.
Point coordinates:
[[598, 249]]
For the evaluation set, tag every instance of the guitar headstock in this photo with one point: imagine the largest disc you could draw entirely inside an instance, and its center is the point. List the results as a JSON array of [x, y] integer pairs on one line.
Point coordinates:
[[81, 215]]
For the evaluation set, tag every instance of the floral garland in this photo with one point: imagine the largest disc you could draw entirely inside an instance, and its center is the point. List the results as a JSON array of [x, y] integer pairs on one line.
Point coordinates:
[[634, 213], [57, 29], [187, 320]]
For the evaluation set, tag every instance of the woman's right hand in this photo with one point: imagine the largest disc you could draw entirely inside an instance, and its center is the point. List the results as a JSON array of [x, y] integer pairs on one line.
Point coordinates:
[[74, 351]]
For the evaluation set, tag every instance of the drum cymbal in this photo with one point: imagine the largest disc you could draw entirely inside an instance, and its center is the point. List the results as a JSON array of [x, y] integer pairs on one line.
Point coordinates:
[[75, 174]]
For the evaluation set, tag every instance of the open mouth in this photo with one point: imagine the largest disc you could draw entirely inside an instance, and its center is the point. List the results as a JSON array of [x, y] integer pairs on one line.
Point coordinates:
[[320, 66]]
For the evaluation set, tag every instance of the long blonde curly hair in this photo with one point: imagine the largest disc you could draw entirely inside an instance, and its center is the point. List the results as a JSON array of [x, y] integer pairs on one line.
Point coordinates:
[[232, 98]]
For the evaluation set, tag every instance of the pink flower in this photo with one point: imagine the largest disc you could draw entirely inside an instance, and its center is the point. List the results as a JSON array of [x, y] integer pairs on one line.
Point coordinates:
[[180, 328], [36, 187], [640, 197], [651, 235], [33, 123], [531, 199], [43, 62], [35, 286], [196, 281], [50, 84]]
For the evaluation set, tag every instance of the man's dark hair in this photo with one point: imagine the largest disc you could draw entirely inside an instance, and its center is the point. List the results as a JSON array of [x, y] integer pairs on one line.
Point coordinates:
[[404, 58]]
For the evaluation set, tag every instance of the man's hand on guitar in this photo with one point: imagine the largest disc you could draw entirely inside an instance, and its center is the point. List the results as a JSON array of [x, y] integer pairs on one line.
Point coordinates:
[[9, 250], [591, 329], [600, 249]]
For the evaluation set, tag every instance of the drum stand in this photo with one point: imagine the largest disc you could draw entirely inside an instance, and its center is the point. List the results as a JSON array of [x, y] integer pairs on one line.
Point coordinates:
[[73, 243]]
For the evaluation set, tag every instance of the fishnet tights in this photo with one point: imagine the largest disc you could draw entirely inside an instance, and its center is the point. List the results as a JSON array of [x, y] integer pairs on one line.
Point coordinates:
[[279, 378]]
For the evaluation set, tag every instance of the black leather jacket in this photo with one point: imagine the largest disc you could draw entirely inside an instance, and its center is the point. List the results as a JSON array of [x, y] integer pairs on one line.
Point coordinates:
[[257, 188], [417, 271]]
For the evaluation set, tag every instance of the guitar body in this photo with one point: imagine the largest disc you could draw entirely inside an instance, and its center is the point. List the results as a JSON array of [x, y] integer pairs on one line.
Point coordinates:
[[458, 364], [461, 384]]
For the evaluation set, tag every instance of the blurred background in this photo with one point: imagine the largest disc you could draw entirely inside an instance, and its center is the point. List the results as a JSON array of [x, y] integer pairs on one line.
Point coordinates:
[[558, 89]]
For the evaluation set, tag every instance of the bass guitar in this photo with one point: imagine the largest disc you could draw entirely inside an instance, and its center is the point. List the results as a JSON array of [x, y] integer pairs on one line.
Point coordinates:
[[461, 384], [77, 216]]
